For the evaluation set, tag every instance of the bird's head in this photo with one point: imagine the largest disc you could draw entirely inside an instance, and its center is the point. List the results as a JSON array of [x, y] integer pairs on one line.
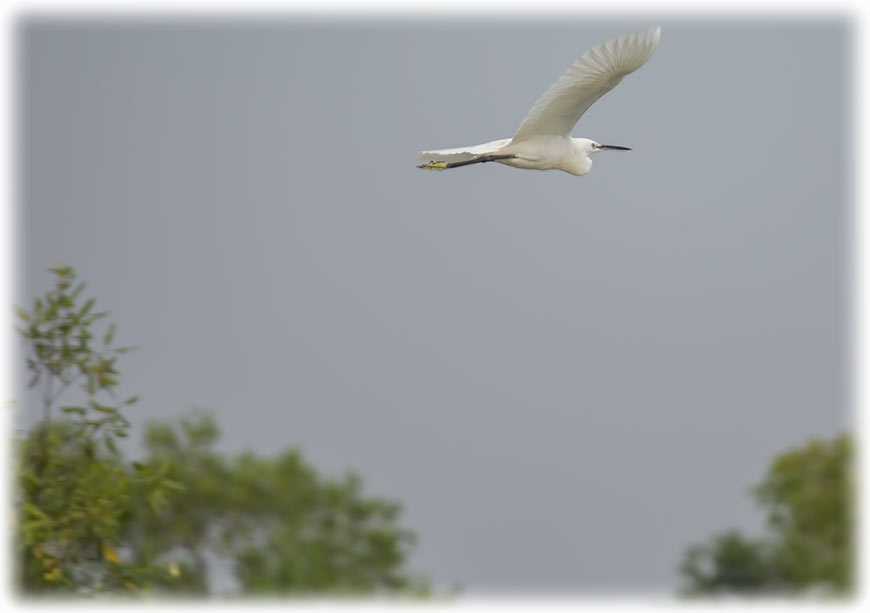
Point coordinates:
[[586, 146]]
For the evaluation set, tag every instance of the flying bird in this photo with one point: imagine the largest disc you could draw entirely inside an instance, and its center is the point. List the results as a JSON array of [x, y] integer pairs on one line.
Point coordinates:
[[543, 141]]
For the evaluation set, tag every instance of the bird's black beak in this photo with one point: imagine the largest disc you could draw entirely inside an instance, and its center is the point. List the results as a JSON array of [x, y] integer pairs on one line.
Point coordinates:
[[614, 147]]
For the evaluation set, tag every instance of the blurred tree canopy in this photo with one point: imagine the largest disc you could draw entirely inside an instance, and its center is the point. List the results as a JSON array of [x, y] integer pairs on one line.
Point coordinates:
[[808, 545], [89, 521], [286, 529]]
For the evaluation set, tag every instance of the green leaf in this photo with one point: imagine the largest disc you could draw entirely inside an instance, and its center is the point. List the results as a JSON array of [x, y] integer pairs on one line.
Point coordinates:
[[156, 500], [87, 307], [102, 407], [108, 381], [173, 485], [22, 313], [78, 290], [34, 510], [72, 409], [62, 270], [110, 335]]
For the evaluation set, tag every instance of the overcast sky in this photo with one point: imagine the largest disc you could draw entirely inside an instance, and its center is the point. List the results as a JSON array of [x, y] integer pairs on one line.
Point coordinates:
[[565, 380]]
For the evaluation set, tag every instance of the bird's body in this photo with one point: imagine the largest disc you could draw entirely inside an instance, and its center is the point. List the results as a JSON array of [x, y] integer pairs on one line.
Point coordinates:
[[548, 152], [543, 141]]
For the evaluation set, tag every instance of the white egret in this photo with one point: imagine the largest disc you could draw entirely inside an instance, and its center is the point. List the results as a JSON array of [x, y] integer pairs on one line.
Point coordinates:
[[543, 141]]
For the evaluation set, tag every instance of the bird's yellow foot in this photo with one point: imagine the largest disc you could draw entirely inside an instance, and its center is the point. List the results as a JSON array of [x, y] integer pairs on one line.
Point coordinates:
[[433, 165]]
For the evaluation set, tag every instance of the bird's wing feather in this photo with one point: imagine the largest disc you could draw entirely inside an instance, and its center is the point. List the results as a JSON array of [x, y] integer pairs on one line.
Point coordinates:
[[591, 76], [461, 154]]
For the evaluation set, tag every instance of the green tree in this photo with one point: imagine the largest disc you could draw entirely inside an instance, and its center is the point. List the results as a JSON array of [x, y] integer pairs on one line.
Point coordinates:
[[284, 528], [808, 495], [91, 522], [73, 489]]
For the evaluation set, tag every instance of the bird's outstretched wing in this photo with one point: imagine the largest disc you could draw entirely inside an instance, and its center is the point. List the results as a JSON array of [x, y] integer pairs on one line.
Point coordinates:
[[594, 74]]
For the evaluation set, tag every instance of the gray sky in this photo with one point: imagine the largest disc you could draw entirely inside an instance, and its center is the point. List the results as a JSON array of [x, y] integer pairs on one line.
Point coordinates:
[[565, 380]]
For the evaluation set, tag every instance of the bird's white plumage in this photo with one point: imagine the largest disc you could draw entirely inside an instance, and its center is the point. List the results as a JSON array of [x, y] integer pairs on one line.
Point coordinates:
[[591, 76], [461, 154], [543, 140]]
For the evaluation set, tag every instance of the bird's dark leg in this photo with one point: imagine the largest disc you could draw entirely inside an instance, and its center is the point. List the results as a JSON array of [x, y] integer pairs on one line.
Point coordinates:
[[477, 160]]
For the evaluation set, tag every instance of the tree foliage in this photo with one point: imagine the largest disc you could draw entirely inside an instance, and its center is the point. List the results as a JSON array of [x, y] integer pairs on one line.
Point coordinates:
[[73, 493], [90, 522], [808, 546], [283, 528]]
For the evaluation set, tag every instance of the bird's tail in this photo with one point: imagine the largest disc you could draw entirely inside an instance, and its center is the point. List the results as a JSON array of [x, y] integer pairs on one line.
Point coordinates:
[[440, 159]]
